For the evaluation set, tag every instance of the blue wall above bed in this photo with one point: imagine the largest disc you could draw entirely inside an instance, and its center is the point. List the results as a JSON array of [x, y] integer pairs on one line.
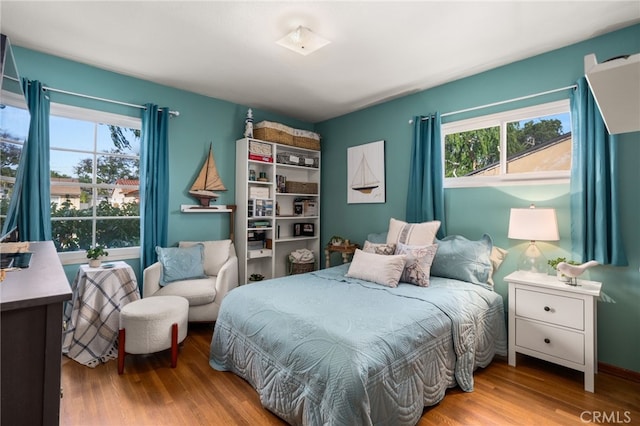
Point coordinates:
[[474, 211]]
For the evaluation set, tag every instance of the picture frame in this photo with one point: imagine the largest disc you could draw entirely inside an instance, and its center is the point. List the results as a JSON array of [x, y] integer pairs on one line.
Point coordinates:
[[366, 173]]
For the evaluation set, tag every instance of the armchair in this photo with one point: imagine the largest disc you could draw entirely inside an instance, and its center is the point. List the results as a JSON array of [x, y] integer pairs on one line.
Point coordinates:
[[204, 295]]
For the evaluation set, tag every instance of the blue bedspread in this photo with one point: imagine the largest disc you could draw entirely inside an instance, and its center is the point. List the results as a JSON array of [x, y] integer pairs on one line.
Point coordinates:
[[324, 349]]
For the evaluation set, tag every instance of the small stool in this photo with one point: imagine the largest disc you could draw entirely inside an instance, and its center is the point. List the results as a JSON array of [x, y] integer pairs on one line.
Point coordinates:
[[152, 324]]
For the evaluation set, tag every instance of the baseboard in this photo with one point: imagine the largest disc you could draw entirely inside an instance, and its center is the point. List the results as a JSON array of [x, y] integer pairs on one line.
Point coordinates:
[[619, 372]]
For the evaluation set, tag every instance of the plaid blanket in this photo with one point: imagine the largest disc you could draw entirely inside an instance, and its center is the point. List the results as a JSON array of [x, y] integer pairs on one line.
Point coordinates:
[[92, 317]]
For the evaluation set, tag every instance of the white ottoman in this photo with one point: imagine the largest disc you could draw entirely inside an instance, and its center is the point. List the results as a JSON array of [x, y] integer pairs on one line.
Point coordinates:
[[152, 324]]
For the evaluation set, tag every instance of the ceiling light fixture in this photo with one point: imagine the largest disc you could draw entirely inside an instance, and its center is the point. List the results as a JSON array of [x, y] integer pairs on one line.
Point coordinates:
[[303, 41]]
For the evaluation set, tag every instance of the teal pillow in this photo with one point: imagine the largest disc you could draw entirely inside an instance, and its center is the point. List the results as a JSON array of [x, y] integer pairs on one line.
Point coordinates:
[[462, 259], [181, 263]]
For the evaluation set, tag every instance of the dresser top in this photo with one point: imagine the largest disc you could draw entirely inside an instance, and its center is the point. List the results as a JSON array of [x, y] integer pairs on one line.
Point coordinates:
[[44, 282], [591, 288]]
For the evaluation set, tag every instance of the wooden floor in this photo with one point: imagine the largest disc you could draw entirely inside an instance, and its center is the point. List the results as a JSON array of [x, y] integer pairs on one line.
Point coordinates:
[[151, 393]]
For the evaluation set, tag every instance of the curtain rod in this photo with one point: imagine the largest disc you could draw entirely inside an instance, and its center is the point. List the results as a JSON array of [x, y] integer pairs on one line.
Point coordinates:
[[52, 89], [521, 98]]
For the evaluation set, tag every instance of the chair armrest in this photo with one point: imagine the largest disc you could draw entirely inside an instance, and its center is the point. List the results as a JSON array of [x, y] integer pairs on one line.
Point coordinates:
[[151, 279], [227, 278]]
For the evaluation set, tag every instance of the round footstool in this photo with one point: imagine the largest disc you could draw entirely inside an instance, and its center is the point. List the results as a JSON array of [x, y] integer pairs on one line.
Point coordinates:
[[152, 324]]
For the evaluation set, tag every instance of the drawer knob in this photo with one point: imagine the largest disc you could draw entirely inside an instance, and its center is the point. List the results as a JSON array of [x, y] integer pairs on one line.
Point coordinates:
[[546, 308], [546, 340]]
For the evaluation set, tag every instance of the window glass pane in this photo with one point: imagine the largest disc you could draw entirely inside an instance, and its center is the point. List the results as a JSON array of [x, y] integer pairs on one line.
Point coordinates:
[[115, 233], [472, 152], [118, 139], [75, 165], [112, 168], [69, 133], [71, 235], [539, 145], [14, 124]]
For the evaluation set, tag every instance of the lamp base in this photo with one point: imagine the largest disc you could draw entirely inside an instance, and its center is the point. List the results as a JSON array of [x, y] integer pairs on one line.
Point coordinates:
[[533, 261]]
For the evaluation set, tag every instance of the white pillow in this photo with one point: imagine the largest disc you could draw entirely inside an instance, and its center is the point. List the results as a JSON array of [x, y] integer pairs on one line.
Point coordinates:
[[415, 234], [497, 257], [216, 254], [377, 268]]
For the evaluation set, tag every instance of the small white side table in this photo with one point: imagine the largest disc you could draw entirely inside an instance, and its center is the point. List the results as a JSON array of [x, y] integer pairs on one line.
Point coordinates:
[[554, 321]]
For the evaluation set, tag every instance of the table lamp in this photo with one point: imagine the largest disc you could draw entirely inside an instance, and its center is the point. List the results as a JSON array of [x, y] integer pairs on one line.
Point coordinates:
[[533, 224]]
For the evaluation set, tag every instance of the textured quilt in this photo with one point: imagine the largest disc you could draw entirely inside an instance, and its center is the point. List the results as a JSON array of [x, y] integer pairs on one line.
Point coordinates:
[[322, 349]]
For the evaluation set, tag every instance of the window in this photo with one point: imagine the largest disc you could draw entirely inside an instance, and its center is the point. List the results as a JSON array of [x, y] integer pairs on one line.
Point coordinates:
[[528, 144], [95, 169], [14, 127]]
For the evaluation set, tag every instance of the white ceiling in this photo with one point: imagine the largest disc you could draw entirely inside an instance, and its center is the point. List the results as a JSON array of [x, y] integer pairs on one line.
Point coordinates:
[[379, 50]]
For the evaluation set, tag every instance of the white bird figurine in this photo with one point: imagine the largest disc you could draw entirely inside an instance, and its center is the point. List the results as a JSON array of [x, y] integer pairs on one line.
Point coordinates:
[[574, 271]]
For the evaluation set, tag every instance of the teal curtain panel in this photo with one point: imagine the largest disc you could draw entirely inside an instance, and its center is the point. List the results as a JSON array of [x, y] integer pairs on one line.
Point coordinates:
[[425, 196], [595, 224], [154, 183]]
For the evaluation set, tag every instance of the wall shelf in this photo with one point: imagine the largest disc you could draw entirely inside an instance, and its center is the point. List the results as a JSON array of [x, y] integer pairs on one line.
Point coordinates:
[[194, 208]]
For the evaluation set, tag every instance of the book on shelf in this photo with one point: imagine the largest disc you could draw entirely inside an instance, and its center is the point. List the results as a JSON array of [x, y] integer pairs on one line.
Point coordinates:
[[263, 158]]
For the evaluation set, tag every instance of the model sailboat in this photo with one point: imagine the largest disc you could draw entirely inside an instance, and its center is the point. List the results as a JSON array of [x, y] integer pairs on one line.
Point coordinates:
[[364, 179], [207, 181]]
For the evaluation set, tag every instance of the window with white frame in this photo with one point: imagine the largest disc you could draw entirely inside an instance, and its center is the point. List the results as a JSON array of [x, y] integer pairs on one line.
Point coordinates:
[[528, 144], [95, 170]]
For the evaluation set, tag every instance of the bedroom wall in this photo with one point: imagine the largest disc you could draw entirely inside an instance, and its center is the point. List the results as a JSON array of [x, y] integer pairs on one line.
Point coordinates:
[[202, 120], [474, 211]]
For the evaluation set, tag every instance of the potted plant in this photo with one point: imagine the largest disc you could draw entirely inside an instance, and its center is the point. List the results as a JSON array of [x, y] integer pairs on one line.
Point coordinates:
[[337, 240], [256, 277], [94, 254], [554, 264]]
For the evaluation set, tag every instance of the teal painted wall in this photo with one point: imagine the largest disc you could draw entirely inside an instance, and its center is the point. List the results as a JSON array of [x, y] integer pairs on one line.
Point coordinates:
[[202, 120], [474, 211]]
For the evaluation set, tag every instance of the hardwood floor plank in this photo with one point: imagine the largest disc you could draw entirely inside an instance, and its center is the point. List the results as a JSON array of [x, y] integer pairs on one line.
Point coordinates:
[[150, 392]]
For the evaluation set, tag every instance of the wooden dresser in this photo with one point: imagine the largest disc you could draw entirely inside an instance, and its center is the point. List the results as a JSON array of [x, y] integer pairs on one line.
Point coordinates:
[[31, 305]]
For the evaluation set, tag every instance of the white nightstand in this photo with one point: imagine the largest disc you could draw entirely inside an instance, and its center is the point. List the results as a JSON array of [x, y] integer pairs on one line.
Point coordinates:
[[554, 321]]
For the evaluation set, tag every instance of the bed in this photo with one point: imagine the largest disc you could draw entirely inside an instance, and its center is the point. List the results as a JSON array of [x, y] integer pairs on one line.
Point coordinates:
[[323, 348]]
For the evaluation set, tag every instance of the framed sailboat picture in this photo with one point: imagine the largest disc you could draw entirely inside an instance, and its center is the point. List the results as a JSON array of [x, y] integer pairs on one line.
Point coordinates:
[[365, 173]]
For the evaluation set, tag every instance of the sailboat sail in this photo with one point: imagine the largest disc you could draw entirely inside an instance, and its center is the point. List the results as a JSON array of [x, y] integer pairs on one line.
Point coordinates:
[[364, 179], [207, 181]]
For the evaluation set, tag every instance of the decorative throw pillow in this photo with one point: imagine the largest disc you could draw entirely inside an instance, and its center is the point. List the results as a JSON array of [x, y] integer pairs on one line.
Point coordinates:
[[415, 234], [462, 259], [497, 257], [215, 254], [377, 268], [418, 266], [181, 263], [386, 249]]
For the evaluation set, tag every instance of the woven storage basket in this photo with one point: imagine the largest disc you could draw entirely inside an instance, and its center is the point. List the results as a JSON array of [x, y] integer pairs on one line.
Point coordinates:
[[306, 139], [273, 132], [301, 187], [300, 268]]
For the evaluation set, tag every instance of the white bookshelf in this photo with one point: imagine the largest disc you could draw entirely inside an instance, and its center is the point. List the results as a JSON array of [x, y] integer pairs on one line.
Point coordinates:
[[279, 224]]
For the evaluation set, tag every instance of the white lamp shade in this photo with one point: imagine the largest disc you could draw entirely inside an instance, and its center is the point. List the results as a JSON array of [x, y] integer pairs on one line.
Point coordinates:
[[533, 224]]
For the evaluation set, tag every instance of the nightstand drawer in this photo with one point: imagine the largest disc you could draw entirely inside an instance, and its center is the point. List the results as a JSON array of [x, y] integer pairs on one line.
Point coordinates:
[[565, 344], [559, 310]]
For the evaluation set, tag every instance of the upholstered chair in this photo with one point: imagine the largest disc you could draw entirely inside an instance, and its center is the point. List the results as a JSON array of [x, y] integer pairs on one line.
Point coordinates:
[[204, 292]]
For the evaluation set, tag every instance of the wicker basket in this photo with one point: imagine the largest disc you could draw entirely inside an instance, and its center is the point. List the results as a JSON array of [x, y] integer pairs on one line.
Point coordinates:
[[307, 143], [301, 187], [273, 132], [300, 268], [306, 139]]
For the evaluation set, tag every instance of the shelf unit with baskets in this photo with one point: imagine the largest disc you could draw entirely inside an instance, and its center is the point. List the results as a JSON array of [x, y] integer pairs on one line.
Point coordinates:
[[278, 206]]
